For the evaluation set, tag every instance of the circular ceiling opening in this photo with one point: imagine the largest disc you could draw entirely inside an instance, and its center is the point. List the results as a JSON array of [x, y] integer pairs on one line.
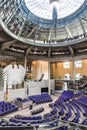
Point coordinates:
[[44, 8]]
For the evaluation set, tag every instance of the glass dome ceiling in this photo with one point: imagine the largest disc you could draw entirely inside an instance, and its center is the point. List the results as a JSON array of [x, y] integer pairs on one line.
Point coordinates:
[[45, 22], [44, 8]]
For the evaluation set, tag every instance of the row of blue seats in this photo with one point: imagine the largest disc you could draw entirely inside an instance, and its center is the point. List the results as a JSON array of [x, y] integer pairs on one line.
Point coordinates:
[[80, 105], [52, 113], [67, 95], [79, 93], [18, 120], [28, 117], [83, 100], [42, 98], [61, 109], [52, 124], [22, 100], [7, 107], [63, 128], [84, 122], [77, 112], [5, 125], [13, 120], [5, 104], [69, 113]]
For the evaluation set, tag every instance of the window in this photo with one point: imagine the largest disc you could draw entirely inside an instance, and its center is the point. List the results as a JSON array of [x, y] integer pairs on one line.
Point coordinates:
[[66, 65], [78, 64]]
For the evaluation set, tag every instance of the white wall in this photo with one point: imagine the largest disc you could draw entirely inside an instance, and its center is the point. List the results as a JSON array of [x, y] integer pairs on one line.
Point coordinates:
[[35, 87], [2, 96], [12, 94]]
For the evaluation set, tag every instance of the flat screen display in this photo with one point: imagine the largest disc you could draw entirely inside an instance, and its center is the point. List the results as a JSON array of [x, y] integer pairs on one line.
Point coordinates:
[[44, 90]]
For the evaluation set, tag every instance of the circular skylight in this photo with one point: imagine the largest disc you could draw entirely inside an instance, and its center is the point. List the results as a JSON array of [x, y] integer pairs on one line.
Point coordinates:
[[44, 8]]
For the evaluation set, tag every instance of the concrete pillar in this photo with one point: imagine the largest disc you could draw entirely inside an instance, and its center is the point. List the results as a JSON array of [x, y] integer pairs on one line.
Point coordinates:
[[49, 77], [25, 62], [73, 70], [25, 66]]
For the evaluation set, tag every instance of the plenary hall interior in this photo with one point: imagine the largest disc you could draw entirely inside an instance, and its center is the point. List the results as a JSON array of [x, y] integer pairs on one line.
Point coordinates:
[[43, 64]]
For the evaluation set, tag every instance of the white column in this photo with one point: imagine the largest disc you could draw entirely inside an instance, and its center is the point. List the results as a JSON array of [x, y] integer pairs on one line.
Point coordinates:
[[73, 70], [49, 77], [25, 62], [25, 66], [5, 86]]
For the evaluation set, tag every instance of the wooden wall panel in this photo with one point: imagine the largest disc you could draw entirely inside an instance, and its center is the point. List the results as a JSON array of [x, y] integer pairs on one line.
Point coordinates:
[[83, 69], [39, 68], [58, 71]]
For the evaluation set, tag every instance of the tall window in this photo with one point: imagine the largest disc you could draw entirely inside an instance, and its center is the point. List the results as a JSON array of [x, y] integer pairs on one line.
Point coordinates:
[[78, 64], [66, 65]]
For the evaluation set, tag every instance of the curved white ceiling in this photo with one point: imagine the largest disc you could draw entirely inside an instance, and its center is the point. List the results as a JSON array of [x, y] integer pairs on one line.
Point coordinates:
[[43, 8]]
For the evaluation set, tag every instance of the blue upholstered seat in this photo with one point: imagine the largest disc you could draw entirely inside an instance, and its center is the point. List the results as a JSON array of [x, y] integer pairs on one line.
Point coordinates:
[[41, 98]]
